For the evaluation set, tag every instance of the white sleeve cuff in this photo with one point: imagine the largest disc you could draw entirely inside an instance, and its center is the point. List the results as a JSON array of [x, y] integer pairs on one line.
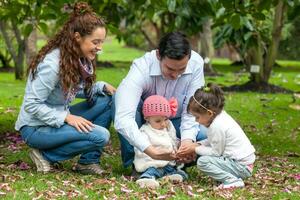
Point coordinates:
[[60, 118], [204, 150], [99, 86], [204, 142], [189, 135]]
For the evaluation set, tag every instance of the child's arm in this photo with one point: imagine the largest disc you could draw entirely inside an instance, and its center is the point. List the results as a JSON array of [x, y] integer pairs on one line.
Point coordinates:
[[216, 144], [204, 142]]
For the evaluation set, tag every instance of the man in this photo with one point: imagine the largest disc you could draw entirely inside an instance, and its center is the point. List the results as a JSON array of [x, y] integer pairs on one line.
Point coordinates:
[[173, 70]]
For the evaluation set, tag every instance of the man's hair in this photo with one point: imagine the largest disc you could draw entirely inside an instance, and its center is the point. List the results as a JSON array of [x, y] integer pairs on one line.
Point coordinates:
[[174, 45]]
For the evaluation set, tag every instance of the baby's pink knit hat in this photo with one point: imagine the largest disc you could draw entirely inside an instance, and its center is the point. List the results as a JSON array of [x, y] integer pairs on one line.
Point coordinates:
[[156, 105]]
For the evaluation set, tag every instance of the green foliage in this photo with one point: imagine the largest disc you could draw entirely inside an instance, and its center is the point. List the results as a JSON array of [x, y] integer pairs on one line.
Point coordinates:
[[152, 19], [289, 46], [241, 23]]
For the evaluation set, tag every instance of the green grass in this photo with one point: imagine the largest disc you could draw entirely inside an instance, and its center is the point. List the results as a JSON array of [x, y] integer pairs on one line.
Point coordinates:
[[272, 126]]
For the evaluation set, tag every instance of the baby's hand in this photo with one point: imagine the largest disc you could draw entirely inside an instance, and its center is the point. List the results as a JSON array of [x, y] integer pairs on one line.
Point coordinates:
[[186, 159]]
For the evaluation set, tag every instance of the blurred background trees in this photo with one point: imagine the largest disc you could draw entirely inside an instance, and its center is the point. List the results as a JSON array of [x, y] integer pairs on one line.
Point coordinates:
[[252, 32]]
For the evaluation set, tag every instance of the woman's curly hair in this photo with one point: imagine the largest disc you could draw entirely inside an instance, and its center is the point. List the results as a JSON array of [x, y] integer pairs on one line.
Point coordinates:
[[82, 20]]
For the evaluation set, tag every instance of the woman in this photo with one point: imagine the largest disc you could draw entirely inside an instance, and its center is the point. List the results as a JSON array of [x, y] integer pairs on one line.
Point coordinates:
[[61, 71]]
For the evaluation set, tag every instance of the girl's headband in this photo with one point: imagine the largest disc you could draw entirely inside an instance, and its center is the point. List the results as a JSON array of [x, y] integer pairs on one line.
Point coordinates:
[[202, 106]]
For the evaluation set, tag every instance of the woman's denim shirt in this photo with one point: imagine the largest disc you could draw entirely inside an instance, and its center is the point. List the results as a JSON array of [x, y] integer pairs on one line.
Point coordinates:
[[44, 101]]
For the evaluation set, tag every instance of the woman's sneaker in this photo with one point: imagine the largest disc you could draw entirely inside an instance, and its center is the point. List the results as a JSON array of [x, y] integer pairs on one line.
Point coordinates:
[[89, 169], [148, 183], [40, 162], [238, 183]]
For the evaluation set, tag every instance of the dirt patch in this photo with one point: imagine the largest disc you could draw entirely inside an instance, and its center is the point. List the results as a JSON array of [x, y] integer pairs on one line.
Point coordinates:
[[255, 87], [104, 64]]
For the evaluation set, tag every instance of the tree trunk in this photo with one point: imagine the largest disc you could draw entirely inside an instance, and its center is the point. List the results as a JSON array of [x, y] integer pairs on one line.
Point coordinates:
[[17, 56], [30, 47], [207, 47], [19, 62], [8, 43], [19, 68], [5, 61], [151, 45], [257, 59], [254, 56], [276, 35]]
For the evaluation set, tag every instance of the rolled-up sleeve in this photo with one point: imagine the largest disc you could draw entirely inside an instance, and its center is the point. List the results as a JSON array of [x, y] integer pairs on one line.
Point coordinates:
[[189, 127], [97, 89], [127, 99], [40, 88]]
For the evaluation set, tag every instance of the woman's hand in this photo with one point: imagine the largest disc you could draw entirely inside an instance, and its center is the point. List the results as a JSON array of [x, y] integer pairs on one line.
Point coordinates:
[[109, 89], [186, 152], [81, 124], [160, 153]]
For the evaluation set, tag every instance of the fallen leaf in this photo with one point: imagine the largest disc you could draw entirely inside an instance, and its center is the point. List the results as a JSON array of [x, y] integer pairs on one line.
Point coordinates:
[[297, 177], [126, 190]]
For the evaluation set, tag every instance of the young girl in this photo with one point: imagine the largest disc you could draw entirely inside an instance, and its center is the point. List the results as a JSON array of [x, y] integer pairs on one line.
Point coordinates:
[[227, 154], [162, 134], [61, 71]]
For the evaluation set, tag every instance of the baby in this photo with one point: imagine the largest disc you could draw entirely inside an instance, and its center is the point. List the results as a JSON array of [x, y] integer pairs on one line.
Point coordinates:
[[161, 133]]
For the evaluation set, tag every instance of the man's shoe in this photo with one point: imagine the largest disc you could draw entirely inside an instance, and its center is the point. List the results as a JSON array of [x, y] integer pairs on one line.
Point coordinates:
[[40, 162], [148, 183], [89, 169]]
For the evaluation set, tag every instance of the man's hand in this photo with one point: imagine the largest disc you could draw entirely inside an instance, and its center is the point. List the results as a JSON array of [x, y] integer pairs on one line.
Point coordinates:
[[160, 153], [81, 124]]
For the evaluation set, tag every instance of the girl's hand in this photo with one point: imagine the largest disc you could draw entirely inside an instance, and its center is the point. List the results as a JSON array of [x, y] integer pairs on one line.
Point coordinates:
[[109, 89], [81, 124], [186, 151]]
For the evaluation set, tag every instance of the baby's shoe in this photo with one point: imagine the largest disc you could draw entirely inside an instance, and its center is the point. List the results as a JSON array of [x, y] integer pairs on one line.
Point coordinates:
[[174, 178], [148, 183]]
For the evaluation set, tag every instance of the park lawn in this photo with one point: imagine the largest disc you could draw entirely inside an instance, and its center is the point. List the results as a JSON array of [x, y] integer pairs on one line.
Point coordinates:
[[271, 124]]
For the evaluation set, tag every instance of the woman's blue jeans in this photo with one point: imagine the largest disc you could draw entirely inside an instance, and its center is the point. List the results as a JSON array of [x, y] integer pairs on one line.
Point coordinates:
[[58, 144], [127, 150]]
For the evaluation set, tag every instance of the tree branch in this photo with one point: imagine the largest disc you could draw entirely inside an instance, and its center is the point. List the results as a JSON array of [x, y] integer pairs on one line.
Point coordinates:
[[151, 43]]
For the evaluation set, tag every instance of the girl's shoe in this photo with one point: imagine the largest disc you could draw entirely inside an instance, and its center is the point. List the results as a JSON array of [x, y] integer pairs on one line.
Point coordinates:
[[148, 183], [40, 162], [89, 169], [238, 183], [174, 178]]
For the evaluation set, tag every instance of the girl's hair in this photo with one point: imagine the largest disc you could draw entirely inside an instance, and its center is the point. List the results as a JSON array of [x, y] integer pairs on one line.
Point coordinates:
[[210, 97], [84, 21]]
